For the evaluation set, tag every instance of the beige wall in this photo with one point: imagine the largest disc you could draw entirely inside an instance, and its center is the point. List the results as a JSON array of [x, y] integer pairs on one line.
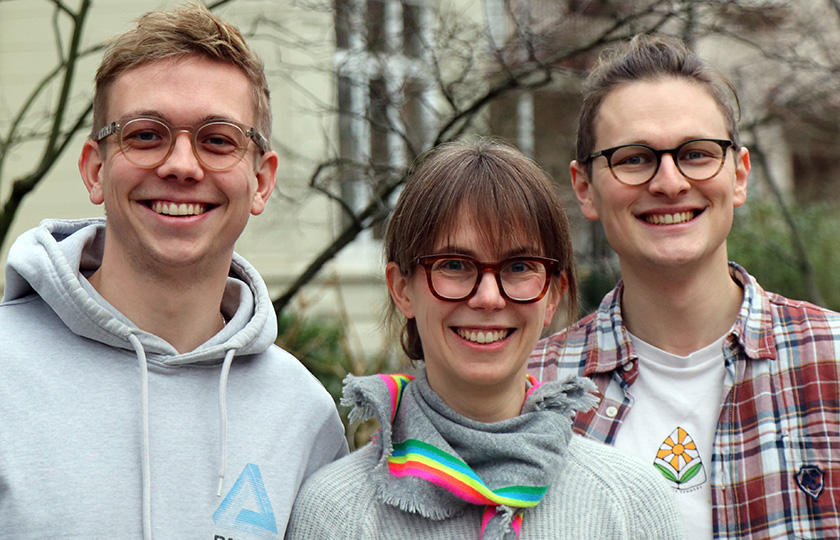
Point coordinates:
[[296, 225]]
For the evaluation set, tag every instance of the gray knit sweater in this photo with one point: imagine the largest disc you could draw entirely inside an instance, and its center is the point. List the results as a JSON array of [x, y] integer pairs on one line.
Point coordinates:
[[598, 492]]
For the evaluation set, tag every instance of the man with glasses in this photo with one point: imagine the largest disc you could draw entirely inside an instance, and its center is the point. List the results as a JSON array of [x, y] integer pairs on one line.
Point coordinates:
[[142, 395], [730, 392]]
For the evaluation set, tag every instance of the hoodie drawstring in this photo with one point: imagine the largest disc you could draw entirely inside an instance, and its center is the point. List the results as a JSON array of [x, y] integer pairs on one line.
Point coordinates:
[[223, 381], [144, 443]]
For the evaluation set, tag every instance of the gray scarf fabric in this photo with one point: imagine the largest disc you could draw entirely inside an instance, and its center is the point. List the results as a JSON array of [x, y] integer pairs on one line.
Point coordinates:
[[435, 462]]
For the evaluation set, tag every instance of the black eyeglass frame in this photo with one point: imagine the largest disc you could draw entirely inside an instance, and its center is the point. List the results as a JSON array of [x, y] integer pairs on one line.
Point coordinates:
[[427, 261], [724, 144], [115, 128]]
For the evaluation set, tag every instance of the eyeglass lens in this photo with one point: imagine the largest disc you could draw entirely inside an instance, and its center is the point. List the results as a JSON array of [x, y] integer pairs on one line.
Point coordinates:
[[521, 279], [147, 142], [697, 160]]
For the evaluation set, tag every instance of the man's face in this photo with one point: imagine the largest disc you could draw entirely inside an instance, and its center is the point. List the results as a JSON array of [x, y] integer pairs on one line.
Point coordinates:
[[669, 221], [185, 92]]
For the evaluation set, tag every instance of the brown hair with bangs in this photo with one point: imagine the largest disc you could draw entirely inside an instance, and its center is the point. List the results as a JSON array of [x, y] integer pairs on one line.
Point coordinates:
[[190, 30], [511, 200]]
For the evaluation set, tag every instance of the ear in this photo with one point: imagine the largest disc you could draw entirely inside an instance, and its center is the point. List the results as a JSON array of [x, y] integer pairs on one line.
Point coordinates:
[[555, 295], [90, 167], [742, 175], [398, 286], [583, 190], [266, 179]]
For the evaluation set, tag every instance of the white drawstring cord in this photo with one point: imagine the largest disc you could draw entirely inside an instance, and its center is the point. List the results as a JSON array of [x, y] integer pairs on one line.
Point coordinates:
[[223, 381], [144, 443]]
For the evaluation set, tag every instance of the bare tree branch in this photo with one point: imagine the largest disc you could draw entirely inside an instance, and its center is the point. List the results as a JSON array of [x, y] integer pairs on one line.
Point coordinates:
[[53, 147]]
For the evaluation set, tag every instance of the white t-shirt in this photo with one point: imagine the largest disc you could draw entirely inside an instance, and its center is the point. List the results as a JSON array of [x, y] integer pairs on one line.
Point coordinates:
[[672, 423]]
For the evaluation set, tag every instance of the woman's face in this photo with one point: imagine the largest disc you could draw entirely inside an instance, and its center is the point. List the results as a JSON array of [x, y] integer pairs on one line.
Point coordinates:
[[480, 344]]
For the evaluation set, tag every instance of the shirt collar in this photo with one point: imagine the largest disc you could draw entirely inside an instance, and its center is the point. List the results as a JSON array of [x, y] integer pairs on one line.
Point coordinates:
[[753, 329], [609, 347]]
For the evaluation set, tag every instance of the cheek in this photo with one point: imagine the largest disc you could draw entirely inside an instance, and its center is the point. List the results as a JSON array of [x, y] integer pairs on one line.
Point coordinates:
[[606, 202]]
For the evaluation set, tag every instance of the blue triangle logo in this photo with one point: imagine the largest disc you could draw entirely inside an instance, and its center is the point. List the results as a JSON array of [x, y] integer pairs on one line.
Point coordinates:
[[246, 507]]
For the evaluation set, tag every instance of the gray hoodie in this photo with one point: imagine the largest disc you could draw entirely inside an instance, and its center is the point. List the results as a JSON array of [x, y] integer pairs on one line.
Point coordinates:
[[106, 431]]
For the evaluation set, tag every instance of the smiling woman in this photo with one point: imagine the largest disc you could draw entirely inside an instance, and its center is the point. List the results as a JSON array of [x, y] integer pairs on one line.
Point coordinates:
[[479, 259], [502, 211]]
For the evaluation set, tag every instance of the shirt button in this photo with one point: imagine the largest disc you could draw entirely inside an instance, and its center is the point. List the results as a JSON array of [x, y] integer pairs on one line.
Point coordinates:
[[628, 366], [611, 411]]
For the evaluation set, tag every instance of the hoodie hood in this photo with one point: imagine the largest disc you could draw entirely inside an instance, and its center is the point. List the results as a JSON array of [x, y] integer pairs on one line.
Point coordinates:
[[50, 259]]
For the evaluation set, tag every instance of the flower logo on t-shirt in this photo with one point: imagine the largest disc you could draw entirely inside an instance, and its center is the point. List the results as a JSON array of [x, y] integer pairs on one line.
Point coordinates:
[[678, 459]]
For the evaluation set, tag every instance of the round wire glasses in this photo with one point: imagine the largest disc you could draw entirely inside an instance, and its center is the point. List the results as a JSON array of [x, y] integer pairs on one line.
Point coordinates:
[[217, 145]]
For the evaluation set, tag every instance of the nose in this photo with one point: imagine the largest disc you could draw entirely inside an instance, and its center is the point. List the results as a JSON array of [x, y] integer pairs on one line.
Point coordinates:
[[668, 180], [488, 296], [182, 162]]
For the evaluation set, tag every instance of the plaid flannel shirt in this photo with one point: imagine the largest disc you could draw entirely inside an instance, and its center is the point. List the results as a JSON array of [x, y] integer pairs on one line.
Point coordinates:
[[776, 457]]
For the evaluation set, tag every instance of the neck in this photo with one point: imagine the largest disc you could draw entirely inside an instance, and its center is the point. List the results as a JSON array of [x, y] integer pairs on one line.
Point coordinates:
[[491, 403], [680, 310], [181, 307]]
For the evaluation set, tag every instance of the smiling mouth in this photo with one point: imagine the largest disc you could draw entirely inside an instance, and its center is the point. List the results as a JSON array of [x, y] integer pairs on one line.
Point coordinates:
[[671, 219], [483, 337], [175, 209]]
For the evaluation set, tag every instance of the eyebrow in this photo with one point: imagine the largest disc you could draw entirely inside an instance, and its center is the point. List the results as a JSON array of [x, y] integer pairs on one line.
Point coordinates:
[[514, 252], [646, 142], [149, 113]]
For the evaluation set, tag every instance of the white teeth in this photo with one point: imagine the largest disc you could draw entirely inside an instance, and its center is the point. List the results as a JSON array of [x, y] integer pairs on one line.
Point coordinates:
[[483, 337], [669, 219], [173, 209]]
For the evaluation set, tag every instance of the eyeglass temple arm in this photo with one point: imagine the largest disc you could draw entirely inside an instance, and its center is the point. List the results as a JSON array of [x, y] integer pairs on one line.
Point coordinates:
[[110, 129], [261, 141]]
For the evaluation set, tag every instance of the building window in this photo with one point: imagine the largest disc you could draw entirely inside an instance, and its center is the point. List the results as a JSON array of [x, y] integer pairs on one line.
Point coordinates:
[[382, 92]]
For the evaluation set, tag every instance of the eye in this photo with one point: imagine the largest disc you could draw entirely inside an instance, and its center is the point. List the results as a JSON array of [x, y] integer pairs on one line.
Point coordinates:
[[218, 143], [518, 267], [219, 138], [454, 268], [700, 151], [633, 156], [521, 267], [693, 155], [451, 265], [144, 134]]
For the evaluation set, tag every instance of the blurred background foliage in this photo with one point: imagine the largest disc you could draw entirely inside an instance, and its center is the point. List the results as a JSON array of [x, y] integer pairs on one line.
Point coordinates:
[[321, 344], [761, 241]]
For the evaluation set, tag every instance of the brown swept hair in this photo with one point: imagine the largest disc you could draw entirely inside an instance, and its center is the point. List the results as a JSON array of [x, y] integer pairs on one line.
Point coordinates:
[[190, 30], [647, 58], [508, 197]]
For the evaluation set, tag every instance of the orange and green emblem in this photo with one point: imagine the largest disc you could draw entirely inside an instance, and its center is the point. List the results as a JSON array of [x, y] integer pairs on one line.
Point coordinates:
[[678, 459]]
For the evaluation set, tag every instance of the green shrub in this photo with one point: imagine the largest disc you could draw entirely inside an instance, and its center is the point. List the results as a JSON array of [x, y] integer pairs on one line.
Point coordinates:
[[761, 241], [321, 345]]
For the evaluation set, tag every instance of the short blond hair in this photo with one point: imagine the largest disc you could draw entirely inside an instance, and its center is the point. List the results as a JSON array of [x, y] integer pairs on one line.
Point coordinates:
[[190, 30]]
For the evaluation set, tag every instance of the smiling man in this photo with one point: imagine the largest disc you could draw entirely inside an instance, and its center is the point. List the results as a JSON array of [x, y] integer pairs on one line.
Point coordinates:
[[142, 395], [729, 391]]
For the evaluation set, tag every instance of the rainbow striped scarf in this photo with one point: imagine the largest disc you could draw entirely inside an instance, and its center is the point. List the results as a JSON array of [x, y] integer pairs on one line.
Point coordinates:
[[442, 462]]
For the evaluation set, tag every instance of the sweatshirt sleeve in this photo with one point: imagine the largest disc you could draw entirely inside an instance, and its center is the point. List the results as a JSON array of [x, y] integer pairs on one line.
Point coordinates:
[[332, 503], [634, 502]]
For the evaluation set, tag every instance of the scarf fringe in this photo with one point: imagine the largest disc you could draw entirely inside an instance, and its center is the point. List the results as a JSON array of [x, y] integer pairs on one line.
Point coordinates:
[[500, 523], [368, 398], [576, 395], [395, 499]]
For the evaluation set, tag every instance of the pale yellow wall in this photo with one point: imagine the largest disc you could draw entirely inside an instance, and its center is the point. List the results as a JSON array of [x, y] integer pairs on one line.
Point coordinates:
[[297, 224]]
